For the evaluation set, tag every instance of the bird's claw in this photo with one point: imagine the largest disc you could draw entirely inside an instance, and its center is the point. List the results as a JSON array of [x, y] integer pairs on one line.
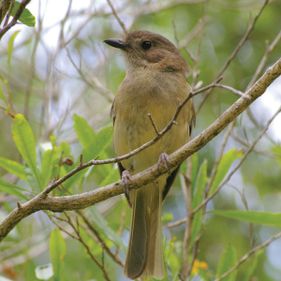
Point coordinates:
[[163, 161]]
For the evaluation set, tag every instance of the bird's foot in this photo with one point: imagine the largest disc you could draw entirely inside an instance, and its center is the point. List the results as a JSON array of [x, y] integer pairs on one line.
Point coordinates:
[[126, 179], [163, 162]]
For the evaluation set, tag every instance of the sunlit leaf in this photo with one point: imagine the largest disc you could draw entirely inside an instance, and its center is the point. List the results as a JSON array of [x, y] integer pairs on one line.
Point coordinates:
[[112, 175], [84, 131], [46, 166], [197, 197], [227, 160], [227, 260], [249, 272], [196, 225], [57, 253], [13, 167], [200, 185], [3, 83], [265, 218], [194, 166], [104, 227], [26, 17], [12, 189], [25, 142], [102, 139], [11, 45]]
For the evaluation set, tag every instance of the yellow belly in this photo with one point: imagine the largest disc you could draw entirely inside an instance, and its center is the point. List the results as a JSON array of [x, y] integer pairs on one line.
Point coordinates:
[[133, 128]]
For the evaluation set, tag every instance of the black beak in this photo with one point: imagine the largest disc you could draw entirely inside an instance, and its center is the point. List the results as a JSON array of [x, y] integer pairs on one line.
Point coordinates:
[[116, 43]]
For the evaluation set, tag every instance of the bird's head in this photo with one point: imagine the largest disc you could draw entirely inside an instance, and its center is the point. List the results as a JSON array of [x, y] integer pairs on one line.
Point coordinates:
[[150, 50]]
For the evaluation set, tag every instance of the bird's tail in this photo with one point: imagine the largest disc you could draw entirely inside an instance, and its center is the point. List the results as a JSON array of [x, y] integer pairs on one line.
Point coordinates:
[[145, 253]]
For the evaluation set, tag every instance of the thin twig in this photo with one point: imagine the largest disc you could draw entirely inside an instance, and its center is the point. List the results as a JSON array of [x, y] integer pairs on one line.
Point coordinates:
[[211, 196], [249, 254], [100, 240], [121, 23], [85, 245], [264, 58], [20, 10], [153, 124], [187, 192], [229, 88], [236, 49]]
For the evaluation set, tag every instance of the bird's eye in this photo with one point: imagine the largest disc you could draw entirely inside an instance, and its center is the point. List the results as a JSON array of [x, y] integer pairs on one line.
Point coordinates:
[[146, 45]]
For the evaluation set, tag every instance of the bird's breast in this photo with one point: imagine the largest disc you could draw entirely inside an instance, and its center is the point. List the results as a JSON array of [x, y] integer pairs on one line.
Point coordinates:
[[133, 127]]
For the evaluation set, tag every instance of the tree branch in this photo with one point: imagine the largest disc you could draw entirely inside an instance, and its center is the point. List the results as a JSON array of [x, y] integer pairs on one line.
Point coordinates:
[[22, 6], [79, 201]]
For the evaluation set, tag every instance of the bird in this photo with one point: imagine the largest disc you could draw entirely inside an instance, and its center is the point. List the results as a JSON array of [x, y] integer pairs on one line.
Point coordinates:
[[147, 99]]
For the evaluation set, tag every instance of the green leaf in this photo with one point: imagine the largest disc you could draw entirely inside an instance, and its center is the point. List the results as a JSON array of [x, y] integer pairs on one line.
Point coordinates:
[[26, 16], [25, 143], [200, 184], [197, 198], [12, 189], [112, 176], [227, 160], [11, 45], [93, 143], [264, 218], [84, 131], [248, 274], [196, 226], [46, 166], [57, 253], [101, 141], [13, 167], [194, 165], [227, 260], [103, 226], [3, 84]]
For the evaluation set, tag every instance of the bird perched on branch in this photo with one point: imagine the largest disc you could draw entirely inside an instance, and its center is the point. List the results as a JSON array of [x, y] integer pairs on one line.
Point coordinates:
[[147, 100]]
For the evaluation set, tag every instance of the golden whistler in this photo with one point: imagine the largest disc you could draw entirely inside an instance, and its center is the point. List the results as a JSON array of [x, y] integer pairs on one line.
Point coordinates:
[[154, 85]]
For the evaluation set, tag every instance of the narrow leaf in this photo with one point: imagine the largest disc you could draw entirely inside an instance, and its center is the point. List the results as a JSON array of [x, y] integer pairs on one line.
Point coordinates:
[[12, 189], [264, 218], [194, 164], [196, 226], [57, 253], [200, 184], [227, 260], [101, 141], [227, 160], [13, 167], [47, 166], [25, 142], [249, 272], [11, 45], [103, 226], [26, 17], [2, 86], [84, 131]]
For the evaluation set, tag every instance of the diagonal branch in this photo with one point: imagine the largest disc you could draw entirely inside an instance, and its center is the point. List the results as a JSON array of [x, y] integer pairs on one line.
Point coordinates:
[[79, 201], [20, 10], [249, 254]]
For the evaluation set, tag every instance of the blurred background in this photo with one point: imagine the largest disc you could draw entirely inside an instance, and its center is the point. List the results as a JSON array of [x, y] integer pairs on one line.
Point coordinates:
[[62, 77]]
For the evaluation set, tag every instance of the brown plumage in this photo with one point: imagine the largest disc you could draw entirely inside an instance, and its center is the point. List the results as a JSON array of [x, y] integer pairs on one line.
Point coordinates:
[[155, 83]]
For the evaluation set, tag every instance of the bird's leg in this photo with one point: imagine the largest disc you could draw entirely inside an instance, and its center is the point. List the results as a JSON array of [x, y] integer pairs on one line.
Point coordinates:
[[126, 179], [163, 161]]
